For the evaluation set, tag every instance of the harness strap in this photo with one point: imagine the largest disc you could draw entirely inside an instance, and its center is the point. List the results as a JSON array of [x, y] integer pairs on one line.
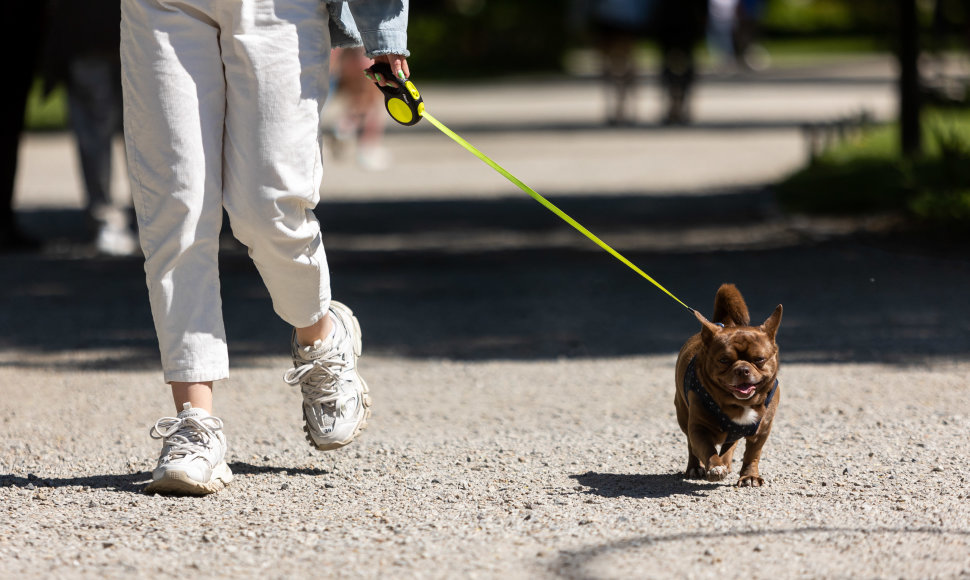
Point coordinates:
[[734, 430]]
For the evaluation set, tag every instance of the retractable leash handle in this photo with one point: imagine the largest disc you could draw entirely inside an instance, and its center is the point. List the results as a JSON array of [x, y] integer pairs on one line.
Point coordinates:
[[403, 102], [405, 105]]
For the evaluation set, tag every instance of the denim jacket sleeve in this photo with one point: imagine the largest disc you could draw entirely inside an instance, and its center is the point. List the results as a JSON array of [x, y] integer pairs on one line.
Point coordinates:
[[379, 25]]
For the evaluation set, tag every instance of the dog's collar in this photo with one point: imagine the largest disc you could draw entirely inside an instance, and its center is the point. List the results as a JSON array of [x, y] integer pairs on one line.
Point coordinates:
[[734, 430]]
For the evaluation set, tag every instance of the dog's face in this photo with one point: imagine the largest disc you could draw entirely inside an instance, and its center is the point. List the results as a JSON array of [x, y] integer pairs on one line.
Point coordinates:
[[740, 360]]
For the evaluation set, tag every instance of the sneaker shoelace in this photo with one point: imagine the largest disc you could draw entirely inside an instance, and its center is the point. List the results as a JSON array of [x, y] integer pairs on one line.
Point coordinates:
[[186, 436], [320, 380]]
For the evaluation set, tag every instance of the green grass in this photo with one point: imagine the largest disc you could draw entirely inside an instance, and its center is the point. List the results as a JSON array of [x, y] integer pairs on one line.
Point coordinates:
[[46, 113], [867, 174], [796, 51]]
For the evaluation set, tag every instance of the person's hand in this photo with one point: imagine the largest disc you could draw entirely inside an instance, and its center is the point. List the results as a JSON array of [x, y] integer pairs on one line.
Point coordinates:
[[398, 64]]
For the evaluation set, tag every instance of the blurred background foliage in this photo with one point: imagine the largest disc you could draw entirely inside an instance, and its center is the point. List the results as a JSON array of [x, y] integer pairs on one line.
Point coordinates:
[[458, 39], [867, 175], [465, 39], [481, 39], [800, 18]]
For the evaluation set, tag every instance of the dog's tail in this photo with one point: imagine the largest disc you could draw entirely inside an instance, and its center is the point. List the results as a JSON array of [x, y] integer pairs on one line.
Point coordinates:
[[729, 307]]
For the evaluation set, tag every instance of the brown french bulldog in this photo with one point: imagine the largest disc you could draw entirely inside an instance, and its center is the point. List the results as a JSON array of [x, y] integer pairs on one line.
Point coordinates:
[[727, 389]]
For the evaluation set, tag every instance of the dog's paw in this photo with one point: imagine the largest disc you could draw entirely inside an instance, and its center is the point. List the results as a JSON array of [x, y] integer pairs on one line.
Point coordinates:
[[695, 473], [717, 473], [750, 481]]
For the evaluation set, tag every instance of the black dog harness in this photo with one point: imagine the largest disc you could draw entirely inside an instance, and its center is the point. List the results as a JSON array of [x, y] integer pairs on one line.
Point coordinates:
[[734, 430]]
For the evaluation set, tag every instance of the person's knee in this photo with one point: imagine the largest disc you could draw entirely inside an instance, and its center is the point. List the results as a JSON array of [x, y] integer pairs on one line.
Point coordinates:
[[274, 234]]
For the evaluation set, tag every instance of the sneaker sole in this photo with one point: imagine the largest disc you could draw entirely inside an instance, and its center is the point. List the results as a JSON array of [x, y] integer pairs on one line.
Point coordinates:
[[178, 483], [346, 314]]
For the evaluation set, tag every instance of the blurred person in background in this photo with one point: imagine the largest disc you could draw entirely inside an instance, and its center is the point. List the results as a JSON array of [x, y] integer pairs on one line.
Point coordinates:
[[616, 27], [749, 53], [82, 53], [361, 116], [23, 47], [680, 27], [721, 25], [731, 33]]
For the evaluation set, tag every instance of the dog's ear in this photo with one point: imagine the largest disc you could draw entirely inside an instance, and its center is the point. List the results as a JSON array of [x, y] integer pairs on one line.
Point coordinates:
[[708, 328], [770, 326]]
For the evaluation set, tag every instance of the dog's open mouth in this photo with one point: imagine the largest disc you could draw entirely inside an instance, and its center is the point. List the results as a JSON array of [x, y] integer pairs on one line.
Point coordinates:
[[744, 390]]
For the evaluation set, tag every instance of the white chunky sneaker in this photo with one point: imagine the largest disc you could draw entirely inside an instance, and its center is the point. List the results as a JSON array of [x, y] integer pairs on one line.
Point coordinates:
[[336, 403], [193, 454]]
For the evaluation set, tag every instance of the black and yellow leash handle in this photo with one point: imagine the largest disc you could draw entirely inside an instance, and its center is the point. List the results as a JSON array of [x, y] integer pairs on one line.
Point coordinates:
[[405, 105], [403, 102]]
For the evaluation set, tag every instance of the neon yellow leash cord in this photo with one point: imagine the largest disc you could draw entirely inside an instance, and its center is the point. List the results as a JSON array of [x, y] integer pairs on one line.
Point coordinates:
[[406, 106], [545, 202]]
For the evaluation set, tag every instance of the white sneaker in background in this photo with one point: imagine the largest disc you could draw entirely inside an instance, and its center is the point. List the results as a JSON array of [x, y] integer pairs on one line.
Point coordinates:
[[115, 240], [373, 157], [192, 461], [336, 403]]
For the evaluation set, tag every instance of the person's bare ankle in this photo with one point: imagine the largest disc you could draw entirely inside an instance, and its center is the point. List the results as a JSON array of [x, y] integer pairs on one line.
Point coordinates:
[[198, 394], [320, 330]]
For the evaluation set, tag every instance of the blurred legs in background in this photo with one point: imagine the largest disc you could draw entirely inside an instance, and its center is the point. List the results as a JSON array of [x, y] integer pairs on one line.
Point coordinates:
[[619, 76], [749, 53], [722, 20], [361, 116], [680, 26], [81, 54], [617, 26], [732, 33], [95, 113]]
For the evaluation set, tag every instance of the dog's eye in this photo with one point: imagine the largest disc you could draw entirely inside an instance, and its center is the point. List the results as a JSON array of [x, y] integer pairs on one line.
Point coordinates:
[[760, 360], [725, 360]]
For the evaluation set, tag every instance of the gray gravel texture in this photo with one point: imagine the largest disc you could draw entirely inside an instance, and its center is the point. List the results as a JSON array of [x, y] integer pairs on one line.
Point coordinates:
[[528, 465], [523, 421]]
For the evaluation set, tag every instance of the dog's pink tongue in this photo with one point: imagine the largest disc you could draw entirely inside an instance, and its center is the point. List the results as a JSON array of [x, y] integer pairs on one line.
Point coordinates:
[[745, 389]]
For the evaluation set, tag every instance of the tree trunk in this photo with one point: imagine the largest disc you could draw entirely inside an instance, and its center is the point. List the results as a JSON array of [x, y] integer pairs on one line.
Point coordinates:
[[909, 83]]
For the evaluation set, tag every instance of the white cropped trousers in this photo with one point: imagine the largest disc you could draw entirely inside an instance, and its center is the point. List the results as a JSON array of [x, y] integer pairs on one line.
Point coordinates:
[[222, 108]]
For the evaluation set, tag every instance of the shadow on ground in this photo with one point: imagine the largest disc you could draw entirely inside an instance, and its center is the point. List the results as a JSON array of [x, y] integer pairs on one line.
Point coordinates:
[[504, 279], [135, 482], [123, 482], [646, 549], [641, 486], [583, 563]]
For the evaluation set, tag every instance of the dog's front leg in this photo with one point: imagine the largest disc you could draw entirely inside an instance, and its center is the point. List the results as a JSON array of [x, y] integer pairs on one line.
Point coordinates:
[[727, 455], [717, 469], [703, 446], [750, 477]]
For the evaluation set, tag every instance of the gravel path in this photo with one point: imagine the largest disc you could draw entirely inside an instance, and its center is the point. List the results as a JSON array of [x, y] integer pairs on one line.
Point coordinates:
[[517, 463]]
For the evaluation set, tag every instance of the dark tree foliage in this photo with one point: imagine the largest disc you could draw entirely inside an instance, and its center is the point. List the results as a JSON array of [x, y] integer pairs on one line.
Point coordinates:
[[465, 38]]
